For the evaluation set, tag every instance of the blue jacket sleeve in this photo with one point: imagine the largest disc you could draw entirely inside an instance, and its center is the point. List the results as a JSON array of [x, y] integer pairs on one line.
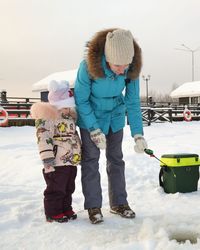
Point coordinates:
[[82, 91], [132, 100]]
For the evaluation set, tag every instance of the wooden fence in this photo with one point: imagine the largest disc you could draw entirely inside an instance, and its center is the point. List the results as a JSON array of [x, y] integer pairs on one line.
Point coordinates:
[[19, 112], [168, 114]]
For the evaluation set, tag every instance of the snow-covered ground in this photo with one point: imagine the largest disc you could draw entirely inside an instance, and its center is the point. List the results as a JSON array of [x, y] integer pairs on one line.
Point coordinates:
[[160, 217]]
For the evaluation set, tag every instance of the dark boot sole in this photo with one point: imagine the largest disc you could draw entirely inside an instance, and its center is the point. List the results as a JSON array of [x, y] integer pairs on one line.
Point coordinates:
[[73, 217], [63, 220]]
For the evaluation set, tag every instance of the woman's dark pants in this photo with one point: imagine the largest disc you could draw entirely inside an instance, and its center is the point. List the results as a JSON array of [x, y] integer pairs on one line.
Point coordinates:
[[115, 170]]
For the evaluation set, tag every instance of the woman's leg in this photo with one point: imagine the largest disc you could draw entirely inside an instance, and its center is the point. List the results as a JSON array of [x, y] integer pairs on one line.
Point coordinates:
[[90, 172], [116, 169]]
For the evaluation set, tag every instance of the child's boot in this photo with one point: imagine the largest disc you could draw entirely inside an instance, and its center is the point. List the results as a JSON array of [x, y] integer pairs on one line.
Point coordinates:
[[70, 214], [58, 218]]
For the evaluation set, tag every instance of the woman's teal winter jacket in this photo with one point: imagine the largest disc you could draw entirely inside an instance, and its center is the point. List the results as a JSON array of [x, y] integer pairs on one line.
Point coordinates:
[[104, 102]]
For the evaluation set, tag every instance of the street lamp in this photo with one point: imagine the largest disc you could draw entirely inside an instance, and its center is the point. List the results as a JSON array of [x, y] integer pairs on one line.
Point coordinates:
[[192, 51], [146, 79]]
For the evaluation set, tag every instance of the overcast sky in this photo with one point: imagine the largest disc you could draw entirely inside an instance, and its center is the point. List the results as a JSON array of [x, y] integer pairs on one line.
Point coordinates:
[[40, 37]]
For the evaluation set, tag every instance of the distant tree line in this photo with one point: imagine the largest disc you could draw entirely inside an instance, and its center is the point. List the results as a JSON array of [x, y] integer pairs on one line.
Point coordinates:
[[158, 97]]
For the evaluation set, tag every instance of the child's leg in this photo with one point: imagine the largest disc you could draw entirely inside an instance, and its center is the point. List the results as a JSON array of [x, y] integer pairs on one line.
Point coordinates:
[[55, 192], [70, 187]]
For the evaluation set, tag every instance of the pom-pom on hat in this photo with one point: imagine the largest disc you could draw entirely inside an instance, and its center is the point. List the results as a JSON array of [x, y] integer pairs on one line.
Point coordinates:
[[119, 48], [60, 94]]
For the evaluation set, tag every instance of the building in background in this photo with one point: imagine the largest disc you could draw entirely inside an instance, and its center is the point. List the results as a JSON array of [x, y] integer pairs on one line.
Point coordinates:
[[41, 86], [187, 93]]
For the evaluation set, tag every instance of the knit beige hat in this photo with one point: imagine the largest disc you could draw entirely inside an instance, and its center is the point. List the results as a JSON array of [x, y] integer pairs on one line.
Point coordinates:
[[119, 49]]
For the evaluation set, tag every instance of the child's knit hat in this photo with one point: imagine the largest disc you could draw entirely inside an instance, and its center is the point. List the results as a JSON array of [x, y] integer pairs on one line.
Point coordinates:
[[60, 94], [119, 48]]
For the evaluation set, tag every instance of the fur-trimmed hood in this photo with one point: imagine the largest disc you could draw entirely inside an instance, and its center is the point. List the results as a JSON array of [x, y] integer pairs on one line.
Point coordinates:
[[44, 110], [95, 51]]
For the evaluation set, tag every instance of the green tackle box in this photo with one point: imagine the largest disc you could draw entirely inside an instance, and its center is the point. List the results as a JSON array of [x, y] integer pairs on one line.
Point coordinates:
[[179, 172]]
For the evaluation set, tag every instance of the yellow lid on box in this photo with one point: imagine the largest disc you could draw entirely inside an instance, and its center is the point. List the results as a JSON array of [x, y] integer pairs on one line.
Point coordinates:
[[180, 160]]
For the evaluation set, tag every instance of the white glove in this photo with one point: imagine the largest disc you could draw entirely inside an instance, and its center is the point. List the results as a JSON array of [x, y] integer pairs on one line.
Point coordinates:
[[140, 143], [98, 138]]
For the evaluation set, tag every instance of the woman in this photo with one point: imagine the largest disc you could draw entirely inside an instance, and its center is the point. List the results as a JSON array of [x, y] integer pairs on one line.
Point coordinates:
[[107, 86]]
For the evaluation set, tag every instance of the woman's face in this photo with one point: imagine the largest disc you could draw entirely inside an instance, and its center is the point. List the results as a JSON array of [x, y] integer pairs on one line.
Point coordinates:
[[118, 69]]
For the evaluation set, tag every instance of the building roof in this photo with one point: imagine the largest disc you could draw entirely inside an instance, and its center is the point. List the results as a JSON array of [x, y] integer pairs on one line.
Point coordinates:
[[69, 75], [188, 89]]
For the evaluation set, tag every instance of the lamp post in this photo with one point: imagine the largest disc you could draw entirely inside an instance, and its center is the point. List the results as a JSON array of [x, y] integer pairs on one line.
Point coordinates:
[[146, 79], [192, 51]]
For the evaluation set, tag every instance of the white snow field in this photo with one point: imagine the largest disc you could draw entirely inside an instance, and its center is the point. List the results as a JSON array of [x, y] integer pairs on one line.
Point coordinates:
[[163, 221]]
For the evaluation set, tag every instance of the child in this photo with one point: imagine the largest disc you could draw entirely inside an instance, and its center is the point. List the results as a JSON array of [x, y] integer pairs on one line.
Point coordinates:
[[60, 150]]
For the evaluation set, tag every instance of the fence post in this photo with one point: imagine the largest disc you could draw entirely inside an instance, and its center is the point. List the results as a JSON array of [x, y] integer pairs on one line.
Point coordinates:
[[149, 116], [170, 114], [3, 96]]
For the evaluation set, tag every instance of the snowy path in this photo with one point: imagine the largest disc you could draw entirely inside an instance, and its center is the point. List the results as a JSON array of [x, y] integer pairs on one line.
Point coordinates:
[[160, 216]]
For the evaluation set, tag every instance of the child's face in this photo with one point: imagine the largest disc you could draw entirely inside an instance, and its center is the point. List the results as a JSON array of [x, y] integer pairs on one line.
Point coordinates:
[[65, 111], [69, 112]]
